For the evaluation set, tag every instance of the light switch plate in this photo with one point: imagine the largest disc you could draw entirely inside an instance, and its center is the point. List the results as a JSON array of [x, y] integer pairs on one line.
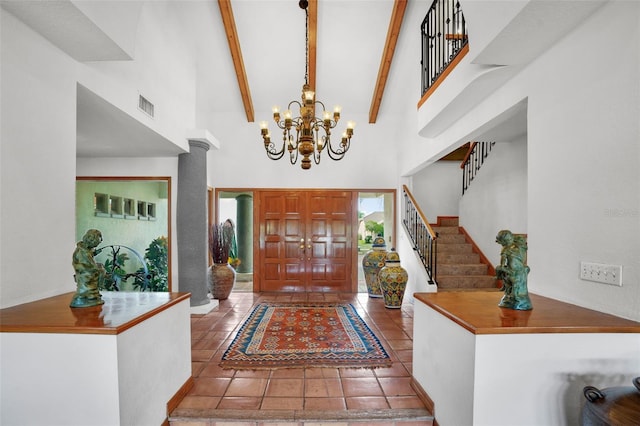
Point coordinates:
[[601, 273]]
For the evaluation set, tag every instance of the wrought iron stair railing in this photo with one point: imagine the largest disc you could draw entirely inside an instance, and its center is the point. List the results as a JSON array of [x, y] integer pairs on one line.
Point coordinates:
[[444, 36], [478, 152], [423, 238]]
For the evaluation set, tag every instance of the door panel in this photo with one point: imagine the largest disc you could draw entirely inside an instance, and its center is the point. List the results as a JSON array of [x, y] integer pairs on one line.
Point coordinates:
[[306, 241], [281, 229]]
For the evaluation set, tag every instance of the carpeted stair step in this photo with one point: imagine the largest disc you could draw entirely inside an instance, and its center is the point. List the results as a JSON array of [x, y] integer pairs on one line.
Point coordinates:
[[465, 258], [466, 281], [448, 221], [455, 248], [445, 229], [451, 238], [463, 269]]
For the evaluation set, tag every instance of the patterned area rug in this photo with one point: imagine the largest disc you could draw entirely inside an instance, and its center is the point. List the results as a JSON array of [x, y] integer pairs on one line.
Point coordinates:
[[277, 335]]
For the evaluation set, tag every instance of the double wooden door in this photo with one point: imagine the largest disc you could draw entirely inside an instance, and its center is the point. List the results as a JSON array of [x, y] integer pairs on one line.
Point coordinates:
[[306, 241]]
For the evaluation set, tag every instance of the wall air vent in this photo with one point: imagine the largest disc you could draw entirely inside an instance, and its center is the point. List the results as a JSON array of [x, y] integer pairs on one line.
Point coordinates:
[[145, 106]]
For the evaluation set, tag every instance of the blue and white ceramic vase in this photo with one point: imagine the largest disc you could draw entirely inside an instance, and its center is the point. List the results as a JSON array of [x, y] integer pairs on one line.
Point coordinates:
[[393, 281], [372, 262]]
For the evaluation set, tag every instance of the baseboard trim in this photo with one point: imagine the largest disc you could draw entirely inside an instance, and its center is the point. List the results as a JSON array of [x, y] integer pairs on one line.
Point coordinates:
[[173, 403], [425, 398], [483, 259]]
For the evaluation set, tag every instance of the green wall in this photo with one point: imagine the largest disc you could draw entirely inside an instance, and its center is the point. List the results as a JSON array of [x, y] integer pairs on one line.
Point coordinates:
[[134, 233]]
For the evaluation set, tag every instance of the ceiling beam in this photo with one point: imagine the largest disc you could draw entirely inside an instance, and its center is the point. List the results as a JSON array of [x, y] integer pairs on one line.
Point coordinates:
[[395, 24], [313, 41], [236, 55]]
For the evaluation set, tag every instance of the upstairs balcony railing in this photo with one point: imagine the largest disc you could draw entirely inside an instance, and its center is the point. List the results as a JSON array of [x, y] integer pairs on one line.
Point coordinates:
[[444, 35], [478, 152], [424, 239]]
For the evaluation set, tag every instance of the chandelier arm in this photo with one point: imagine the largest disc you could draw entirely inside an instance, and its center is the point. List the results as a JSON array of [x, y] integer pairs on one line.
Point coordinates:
[[272, 153], [293, 150], [316, 156], [317, 152], [338, 154], [294, 102]]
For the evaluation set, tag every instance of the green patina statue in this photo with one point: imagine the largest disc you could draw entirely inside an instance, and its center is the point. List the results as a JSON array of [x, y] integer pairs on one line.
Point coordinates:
[[513, 271], [89, 274]]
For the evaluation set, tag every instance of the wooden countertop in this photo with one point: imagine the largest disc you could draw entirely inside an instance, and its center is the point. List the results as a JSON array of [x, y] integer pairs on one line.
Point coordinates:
[[121, 311], [478, 312]]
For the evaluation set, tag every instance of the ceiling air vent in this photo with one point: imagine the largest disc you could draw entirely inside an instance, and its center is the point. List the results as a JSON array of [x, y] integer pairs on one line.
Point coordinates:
[[145, 106]]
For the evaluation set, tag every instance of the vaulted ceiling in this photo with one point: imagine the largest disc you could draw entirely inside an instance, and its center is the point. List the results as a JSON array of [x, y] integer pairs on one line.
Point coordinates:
[[259, 50], [369, 35]]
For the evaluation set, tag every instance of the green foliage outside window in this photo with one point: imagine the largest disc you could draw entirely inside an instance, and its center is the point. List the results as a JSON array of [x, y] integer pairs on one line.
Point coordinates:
[[374, 228]]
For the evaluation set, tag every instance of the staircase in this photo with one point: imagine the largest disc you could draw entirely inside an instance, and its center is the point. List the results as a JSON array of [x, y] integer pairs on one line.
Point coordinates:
[[460, 264]]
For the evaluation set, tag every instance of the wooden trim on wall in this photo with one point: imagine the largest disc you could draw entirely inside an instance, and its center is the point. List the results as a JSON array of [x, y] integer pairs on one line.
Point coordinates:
[[169, 209], [395, 24], [444, 74], [236, 54], [491, 270], [173, 403], [425, 398]]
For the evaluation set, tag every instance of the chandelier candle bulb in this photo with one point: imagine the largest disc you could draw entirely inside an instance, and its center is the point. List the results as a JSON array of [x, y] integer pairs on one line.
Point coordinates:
[[308, 96]]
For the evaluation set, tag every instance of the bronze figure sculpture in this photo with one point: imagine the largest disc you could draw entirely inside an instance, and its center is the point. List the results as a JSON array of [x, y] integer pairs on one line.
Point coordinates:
[[513, 271], [89, 274]]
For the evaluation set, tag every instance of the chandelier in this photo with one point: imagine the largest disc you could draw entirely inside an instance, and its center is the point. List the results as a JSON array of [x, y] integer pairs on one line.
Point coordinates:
[[312, 134]]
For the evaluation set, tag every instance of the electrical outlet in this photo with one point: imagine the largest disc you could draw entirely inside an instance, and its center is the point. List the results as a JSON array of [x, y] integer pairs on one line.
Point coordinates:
[[601, 273]]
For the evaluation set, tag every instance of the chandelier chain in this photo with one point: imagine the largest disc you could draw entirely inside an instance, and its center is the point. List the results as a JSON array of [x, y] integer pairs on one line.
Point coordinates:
[[306, 46], [309, 141]]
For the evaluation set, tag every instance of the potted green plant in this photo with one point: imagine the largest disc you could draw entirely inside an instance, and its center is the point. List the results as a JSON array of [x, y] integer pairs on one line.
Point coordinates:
[[221, 275], [156, 257]]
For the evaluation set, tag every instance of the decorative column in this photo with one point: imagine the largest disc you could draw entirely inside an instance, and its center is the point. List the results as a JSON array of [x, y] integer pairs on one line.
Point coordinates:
[[191, 220], [244, 221]]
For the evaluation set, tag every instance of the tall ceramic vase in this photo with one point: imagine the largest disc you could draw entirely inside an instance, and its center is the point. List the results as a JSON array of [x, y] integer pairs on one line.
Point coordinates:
[[372, 262], [221, 279], [393, 281]]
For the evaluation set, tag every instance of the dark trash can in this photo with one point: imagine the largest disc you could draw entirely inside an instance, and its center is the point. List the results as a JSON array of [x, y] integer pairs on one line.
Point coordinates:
[[616, 406]]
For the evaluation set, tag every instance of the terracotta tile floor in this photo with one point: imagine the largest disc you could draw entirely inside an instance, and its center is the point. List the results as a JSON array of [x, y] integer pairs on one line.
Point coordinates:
[[302, 396]]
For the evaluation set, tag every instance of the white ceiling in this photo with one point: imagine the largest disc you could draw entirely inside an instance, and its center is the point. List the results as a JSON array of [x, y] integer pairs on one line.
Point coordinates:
[[351, 37], [350, 43]]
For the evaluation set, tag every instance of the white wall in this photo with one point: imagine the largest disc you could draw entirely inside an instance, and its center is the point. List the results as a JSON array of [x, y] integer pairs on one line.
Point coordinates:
[[241, 161], [437, 189], [583, 179], [497, 197], [39, 138], [583, 162], [515, 379], [38, 133], [163, 70], [159, 167]]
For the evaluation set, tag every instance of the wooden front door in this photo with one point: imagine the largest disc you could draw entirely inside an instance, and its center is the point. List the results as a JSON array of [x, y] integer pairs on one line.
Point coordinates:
[[306, 241]]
